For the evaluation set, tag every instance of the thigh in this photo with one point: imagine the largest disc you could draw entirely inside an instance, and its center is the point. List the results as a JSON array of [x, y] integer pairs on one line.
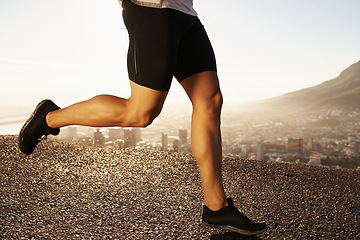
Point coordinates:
[[145, 100], [202, 87], [152, 49], [196, 54]]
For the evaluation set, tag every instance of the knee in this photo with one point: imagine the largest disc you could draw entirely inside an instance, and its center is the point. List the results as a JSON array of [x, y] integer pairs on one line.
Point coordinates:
[[210, 106], [143, 118], [217, 102]]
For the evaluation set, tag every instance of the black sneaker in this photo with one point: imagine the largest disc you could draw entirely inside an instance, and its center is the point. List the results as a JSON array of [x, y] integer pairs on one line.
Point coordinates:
[[230, 218], [35, 127]]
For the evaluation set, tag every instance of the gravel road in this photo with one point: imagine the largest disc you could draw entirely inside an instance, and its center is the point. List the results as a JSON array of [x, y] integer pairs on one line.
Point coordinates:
[[66, 191]]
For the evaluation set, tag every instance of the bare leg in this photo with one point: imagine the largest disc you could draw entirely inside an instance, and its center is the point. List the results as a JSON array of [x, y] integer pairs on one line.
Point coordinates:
[[204, 92], [139, 110]]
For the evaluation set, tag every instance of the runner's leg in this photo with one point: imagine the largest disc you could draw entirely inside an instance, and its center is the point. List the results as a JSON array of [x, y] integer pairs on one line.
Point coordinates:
[[139, 110], [204, 92]]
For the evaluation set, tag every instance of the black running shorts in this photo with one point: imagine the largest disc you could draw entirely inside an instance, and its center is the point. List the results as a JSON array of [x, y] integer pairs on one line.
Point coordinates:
[[165, 43]]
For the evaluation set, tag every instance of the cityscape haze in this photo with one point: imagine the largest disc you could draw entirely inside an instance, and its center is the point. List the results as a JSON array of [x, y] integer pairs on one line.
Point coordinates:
[[325, 138], [326, 133]]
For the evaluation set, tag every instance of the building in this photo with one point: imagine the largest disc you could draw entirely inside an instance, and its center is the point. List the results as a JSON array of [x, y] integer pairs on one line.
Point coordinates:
[[137, 134], [99, 139], [295, 145], [129, 138], [183, 136], [310, 145], [164, 141], [244, 151], [114, 134], [260, 150], [315, 160], [132, 137], [176, 143]]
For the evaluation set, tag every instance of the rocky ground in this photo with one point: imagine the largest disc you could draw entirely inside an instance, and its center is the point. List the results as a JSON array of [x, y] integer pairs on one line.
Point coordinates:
[[65, 191]]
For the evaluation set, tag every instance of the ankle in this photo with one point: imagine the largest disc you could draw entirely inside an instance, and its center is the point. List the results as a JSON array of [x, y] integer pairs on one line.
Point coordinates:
[[49, 121], [216, 205]]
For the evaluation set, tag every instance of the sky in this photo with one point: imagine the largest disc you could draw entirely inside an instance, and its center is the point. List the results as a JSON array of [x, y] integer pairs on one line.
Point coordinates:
[[71, 50]]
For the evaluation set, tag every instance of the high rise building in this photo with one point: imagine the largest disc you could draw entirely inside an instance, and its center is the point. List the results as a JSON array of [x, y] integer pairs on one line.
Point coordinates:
[[164, 141], [310, 144], [115, 134], [183, 136], [260, 150], [137, 134], [131, 137]]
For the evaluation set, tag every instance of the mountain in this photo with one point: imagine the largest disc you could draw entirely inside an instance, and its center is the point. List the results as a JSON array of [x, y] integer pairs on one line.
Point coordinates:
[[340, 92]]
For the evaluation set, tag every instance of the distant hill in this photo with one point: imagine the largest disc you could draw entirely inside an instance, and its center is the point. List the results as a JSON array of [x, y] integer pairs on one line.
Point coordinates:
[[340, 92]]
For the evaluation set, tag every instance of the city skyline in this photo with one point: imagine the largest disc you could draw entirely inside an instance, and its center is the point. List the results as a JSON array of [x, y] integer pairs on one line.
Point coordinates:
[[327, 138]]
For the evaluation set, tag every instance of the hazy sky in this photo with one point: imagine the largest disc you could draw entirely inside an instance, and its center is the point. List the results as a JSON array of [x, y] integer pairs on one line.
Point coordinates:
[[70, 50]]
